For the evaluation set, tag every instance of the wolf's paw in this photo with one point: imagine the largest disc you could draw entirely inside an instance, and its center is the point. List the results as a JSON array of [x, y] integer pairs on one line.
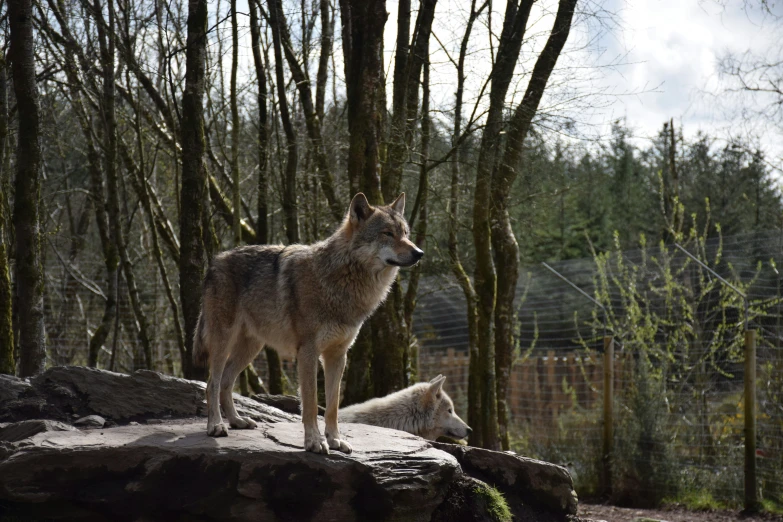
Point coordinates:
[[243, 423], [218, 430], [316, 444], [339, 445]]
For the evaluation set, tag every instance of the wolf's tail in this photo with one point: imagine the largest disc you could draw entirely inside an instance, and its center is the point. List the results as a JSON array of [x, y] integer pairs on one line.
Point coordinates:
[[200, 351]]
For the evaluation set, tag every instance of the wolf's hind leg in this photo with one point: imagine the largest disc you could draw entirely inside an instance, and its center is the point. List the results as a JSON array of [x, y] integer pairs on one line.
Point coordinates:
[[215, 426], [334, 365], [307, 363], [242, 355]]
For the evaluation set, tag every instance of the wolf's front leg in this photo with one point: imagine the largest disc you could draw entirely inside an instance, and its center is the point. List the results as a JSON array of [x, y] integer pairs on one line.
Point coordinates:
[[334, 364], [307, 361]]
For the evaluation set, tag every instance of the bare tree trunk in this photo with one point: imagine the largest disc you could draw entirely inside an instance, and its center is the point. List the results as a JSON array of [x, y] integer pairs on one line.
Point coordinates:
[[194, 180], [390, 333], [503, 241], [27, 227], [262, 226], [397, 146], [327, 45], [111, 257], [256, 386], [237, 200], [235, 125], [312, 122], [362, 23], [418, 220], [358, 376], [485, 278], [275, 369], [507, 264], [474, 381], [7, 359], [290, 210], [485, 285], [389, 345], [405, 99]]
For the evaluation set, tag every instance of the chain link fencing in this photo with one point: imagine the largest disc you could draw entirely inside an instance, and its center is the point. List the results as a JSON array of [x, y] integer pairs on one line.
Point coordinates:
[[678, 367], [678, 358]]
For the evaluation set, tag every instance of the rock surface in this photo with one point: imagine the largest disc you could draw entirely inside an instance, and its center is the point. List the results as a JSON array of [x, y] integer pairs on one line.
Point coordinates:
[[90, 421], [63, 391], [154, 472], [16, 431], [287, 403], [522, 480], [158, 464]]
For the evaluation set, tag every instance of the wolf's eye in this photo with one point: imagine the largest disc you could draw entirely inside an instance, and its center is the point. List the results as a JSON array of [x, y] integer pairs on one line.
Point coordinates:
[[451, 411], [388, 234]]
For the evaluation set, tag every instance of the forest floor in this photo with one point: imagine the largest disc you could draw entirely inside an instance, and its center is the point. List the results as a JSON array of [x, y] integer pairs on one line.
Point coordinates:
[[673, 514]]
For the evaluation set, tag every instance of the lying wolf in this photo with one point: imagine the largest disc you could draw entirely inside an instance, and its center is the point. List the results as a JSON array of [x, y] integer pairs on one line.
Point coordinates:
[[307, 301], [423, 409]]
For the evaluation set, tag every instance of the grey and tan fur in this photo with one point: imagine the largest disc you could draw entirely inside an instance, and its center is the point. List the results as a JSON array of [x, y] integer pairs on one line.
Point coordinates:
[[307, 301], [423, 409]]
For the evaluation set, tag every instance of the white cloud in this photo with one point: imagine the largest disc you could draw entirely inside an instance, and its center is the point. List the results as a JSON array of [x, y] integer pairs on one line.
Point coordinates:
[[670, 49], [677, 45]]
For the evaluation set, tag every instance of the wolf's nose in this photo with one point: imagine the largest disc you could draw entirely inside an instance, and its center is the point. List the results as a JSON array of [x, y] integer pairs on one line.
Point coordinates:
[[418, 253], [470, 430]]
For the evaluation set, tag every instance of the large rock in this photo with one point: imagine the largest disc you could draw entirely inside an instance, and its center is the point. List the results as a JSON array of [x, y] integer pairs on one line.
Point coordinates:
[[287, 403], [157, 472], [160, 465], [90, 421], [16, 431], [12, 387], [64, 391], [522, 480]]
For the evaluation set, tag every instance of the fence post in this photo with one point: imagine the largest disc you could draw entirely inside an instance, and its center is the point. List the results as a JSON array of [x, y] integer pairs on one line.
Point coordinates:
[[608, 436], [751, 491]]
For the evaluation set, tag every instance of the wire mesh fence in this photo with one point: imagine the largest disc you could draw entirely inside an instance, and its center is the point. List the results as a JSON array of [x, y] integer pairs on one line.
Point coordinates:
[[678, 366]]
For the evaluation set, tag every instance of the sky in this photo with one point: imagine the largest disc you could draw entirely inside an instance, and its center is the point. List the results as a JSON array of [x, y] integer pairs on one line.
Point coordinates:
[[673, 47], [644, 61]]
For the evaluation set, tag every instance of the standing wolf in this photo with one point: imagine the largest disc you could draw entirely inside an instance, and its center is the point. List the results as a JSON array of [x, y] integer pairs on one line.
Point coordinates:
[[423, 409], [307, 301]]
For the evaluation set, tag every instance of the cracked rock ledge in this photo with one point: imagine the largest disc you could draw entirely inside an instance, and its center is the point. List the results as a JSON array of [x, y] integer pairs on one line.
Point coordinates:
[[130, 469]]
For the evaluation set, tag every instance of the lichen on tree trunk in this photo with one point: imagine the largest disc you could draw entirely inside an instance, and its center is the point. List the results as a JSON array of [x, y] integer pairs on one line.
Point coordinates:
[[503, 241], [27, 226], [7, 345], [194, 179]]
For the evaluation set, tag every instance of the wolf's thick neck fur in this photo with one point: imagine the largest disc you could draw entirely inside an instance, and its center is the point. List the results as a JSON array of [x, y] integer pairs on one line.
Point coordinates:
[[354, 270]]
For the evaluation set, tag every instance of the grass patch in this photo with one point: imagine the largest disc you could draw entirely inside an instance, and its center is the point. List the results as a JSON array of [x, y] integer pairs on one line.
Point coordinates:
[[496, 505], [770, 506], [698, 500]]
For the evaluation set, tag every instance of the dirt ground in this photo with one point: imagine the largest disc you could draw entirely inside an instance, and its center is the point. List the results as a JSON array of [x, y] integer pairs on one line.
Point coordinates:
[[617, 514]]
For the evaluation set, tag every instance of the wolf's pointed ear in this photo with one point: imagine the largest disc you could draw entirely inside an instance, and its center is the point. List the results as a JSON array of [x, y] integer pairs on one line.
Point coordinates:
[[436, 385], [399, 204], [360, 209]]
